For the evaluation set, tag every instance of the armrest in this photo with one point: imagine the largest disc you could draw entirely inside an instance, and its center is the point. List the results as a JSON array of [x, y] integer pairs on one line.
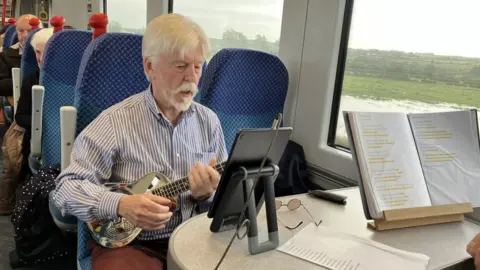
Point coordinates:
[[37, 112], [34, 163], [16, 89], [68, 122]]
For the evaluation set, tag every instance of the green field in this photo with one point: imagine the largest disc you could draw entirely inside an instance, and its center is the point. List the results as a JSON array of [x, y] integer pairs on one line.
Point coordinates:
[[384, 89]]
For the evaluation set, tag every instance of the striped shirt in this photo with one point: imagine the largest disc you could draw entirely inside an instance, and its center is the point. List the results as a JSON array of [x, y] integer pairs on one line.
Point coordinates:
[[129, 140]]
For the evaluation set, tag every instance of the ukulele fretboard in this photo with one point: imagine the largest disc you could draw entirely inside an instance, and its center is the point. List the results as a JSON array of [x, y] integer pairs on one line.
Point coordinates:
[[173, 189]]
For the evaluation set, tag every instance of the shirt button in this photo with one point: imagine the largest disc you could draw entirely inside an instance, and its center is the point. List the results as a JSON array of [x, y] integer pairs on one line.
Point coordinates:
[[178, 155]]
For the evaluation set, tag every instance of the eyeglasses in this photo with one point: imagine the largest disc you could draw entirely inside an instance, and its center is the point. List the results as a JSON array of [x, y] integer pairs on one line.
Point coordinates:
[[294, 204]]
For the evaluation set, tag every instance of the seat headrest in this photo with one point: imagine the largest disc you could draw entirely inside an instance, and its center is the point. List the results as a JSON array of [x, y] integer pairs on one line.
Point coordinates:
[[254, 78], [111, 71]]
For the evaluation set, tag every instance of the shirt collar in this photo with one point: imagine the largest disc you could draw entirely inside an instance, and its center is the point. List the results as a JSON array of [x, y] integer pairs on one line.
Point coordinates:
[[152, 106], [18, 46]]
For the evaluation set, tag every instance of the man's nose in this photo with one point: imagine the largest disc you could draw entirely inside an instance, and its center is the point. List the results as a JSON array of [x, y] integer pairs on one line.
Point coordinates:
[[191, 74]]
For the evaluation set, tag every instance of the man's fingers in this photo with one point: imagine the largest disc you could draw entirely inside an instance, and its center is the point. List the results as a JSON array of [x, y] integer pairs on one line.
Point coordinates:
[[154, 207], [197, 177], [205, 178], [214, 176], [158, 199], [212, 161], [162, 201], [191, 179], [473, 246], [151, 218], [477, 258]]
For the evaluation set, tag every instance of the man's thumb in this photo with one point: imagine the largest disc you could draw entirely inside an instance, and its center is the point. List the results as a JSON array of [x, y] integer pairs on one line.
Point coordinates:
[[213, 161]]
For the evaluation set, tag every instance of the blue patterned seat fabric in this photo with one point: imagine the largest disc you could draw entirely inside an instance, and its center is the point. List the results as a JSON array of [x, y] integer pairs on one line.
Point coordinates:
[[29, 60], [64, 52], [246, 88], [10, 37], [200, 82], [28, 63], [111, 71]]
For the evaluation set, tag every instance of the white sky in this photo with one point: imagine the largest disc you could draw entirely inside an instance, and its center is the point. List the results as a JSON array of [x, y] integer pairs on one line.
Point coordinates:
[[448, 27]]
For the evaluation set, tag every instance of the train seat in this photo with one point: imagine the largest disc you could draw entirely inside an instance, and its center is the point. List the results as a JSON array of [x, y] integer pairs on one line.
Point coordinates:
[[111, 71], [245, 88], [63, 56]]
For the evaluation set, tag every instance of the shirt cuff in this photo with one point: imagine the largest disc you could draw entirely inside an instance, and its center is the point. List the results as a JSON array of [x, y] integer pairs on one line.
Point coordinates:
[[108, 206], [204, 204]]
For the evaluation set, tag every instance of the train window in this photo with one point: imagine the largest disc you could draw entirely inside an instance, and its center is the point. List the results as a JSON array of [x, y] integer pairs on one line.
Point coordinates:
[[128, 16], [253, 24], [409, 56]]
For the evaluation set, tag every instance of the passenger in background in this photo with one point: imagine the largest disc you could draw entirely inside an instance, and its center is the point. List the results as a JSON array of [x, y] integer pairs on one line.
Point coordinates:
[[11, 57], [23, 116], [158, 130], [16, 143]]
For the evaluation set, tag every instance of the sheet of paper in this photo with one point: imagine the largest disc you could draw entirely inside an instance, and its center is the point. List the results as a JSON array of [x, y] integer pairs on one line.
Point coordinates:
[[391, 167], [449, 150], [340, 251]]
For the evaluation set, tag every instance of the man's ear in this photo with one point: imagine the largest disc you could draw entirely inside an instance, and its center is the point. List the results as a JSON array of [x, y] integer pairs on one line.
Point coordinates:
[[147, 66]]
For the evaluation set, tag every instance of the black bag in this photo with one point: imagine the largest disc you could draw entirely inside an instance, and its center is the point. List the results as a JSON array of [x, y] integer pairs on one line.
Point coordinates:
[[293, 176], [37, 237]]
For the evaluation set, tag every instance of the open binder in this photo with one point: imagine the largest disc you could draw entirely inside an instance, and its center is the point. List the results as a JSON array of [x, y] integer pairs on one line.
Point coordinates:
[[438, 208]]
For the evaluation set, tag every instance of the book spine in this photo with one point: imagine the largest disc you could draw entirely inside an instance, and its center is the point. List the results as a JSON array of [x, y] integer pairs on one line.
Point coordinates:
[[418, 154], [353, 148]]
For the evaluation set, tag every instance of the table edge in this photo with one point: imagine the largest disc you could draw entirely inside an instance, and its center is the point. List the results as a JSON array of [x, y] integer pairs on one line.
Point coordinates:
[[173, 255]]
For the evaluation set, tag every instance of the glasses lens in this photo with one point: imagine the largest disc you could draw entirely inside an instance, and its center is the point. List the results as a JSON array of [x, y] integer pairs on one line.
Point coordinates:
[[278, 204], [294, 204]]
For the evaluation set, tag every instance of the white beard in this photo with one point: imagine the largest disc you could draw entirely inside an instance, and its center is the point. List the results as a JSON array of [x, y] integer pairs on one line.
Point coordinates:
[[185, 105]]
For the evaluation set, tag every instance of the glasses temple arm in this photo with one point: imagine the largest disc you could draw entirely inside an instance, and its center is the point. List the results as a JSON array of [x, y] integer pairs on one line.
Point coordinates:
[[313, 219]]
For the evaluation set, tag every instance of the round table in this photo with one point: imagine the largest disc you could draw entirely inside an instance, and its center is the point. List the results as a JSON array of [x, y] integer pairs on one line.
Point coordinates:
[[193, 246]]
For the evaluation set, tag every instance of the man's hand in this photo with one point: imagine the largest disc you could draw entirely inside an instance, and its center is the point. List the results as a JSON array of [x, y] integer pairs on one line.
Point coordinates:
[[203, 180], [473, 248], [146, 211]]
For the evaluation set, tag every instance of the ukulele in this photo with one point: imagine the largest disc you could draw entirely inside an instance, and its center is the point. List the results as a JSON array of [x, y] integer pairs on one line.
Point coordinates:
[[120, 232]]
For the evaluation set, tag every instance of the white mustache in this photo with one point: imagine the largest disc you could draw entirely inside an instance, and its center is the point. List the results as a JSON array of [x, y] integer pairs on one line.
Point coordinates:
[[187, 87]]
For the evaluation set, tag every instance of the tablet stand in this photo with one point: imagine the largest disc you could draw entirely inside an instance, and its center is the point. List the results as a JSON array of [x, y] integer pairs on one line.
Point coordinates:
[[246, 176]]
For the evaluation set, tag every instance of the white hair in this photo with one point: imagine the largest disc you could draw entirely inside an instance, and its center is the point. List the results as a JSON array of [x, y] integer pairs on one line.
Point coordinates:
[[41, 37], [173, 33]]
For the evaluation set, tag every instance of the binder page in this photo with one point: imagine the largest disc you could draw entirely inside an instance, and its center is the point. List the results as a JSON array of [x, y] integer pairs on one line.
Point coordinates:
[[391, 164], [449, 151]]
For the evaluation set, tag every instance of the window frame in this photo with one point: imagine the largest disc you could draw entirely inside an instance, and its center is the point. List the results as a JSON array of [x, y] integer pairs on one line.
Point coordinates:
[[341, 65], [324, 56], [304, 53]]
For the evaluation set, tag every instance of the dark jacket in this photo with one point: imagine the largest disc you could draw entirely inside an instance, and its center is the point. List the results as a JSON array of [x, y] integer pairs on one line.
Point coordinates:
[[9, 58], [23, 116]]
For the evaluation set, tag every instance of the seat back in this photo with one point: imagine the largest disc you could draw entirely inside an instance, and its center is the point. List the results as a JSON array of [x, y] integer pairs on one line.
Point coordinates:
[[10, 37], [29, 60], [200, 82], [246, 88], [111, 71], [61, 62]]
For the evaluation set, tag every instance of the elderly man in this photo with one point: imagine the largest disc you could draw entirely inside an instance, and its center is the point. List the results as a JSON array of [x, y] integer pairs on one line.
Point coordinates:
[[11, 57], [160, 129]]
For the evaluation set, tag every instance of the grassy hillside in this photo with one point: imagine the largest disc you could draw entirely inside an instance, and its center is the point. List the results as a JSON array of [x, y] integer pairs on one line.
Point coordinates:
[[428, 92], [414, 67]]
